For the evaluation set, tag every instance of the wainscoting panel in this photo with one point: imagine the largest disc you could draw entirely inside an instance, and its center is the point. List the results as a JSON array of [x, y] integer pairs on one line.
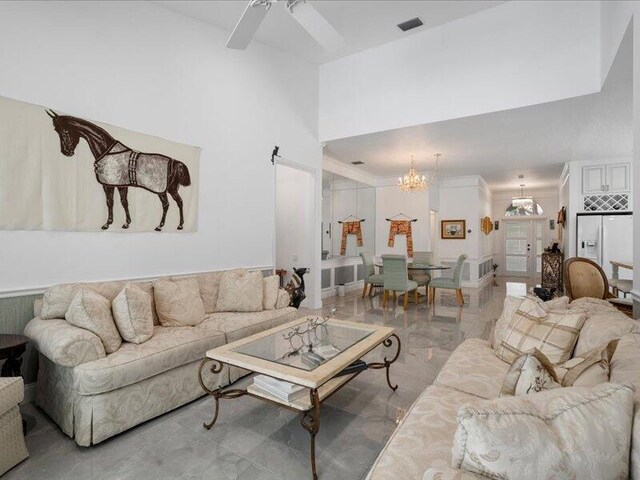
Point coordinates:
[[15, 313]]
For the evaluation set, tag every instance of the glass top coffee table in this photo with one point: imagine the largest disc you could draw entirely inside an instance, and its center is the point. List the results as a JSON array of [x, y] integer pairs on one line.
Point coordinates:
[[312, 354]]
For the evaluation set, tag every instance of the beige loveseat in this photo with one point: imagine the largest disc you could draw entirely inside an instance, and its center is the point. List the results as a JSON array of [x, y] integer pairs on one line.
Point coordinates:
[[421, 446], [92, 395]]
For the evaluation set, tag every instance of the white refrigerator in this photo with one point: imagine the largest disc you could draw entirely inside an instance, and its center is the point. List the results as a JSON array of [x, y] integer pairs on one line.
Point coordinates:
[[603, 238]]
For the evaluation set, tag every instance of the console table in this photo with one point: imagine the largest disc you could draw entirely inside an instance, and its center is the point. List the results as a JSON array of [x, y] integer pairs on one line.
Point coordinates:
[[11, 348]]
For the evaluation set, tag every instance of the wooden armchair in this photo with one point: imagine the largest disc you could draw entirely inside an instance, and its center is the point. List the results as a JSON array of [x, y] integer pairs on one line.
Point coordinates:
[[585, 278]]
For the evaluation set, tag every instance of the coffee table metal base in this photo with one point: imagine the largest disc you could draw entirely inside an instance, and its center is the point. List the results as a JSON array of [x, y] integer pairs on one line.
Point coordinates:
[[310, 418]]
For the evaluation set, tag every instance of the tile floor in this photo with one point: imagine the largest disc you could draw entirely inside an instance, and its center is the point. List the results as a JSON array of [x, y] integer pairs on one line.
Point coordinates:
[[253, 440]]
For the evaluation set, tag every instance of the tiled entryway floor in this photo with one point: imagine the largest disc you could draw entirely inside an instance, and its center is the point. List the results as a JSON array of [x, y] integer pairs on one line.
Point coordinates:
[[254, 440]]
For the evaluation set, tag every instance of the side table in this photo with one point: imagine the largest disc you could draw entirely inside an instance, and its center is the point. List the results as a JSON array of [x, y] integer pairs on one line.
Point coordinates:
[[11, 348]]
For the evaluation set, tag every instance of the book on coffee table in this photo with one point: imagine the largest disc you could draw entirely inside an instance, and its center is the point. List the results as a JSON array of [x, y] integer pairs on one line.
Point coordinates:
[[279, 388]]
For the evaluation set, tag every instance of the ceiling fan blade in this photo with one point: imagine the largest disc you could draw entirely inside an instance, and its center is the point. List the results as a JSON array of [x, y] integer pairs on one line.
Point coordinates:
[[248, 24], [316, 25]]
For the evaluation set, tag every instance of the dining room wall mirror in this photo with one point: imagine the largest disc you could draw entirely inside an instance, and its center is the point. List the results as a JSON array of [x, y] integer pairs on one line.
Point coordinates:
[[345, 203]]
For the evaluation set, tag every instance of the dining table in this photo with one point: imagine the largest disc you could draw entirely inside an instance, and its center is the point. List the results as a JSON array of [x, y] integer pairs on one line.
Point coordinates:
[[420, 267]]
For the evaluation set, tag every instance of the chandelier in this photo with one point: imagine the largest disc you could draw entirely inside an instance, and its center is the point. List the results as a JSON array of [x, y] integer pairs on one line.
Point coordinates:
[[413, 182], [522, 201]]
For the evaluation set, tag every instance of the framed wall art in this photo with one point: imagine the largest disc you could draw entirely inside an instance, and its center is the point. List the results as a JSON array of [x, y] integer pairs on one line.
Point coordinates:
[[453, 229]]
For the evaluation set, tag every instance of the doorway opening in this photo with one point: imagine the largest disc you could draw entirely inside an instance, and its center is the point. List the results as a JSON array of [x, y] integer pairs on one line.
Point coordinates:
[[294, 229], [523, 245]]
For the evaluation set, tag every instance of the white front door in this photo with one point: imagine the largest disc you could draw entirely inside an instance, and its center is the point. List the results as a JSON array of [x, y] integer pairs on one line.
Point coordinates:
[[524, 242]]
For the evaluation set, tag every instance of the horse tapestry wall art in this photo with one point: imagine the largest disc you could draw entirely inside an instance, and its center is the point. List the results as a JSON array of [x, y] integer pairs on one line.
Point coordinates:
[[56, 181]]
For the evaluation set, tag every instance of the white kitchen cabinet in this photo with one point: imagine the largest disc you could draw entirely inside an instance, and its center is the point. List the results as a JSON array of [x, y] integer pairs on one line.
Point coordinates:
[[618, 178], [609, 178], [593, 179]]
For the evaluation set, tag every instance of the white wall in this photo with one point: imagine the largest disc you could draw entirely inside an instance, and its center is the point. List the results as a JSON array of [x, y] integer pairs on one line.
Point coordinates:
[[513, 55], [615, 18], [294, 220], [390, 201], [142, 67], [466, 198]]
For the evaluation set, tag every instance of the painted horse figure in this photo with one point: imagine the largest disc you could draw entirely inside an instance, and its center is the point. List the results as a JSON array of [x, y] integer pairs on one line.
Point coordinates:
[[296, 287], [118, 166]]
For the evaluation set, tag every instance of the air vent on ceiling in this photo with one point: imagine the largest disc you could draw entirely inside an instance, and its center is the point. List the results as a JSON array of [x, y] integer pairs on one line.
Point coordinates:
[[357, 162], [410, 24]]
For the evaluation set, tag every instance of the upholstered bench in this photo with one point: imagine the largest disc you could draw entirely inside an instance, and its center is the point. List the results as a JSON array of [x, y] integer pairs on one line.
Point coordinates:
[[12, 447]]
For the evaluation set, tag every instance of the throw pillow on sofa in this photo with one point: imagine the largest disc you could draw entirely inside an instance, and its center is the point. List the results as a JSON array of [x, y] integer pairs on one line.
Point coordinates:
[[553, 332], [511, 304], [532, 372], [270, 286], [240, 291], [178, 302], [132, 312], [284, 299], [604, 322], [91, 311], [575, 432]]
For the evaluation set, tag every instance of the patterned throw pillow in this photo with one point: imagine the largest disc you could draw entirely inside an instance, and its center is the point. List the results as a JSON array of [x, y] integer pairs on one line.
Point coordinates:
[[529, 373], [240, 292], [554, 333], [532, 372], [91, 311], [284, 299], [568, 433], [132, 312], [178, 302], [511, 304], [271, 285]]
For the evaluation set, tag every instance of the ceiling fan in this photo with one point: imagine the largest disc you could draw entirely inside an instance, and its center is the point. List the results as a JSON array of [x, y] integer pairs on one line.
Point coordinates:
[[308, 17]]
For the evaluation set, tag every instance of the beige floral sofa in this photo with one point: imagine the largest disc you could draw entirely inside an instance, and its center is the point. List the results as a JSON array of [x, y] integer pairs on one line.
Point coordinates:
[[421, 447], [92, 395]]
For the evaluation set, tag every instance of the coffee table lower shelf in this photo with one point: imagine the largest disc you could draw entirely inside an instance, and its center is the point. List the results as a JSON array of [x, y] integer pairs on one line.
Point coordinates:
[[307, 406]]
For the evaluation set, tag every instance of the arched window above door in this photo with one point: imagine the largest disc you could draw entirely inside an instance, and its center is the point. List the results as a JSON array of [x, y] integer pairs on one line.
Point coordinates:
[[523, 207]]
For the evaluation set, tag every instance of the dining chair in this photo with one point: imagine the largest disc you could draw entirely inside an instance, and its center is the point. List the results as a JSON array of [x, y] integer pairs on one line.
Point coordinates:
[[396, 278], [371, 278], [585, 278], [452, 283], [422, 277]]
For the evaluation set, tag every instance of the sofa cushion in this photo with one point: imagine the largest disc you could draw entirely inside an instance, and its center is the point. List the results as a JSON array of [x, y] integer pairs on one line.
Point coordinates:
[[553, 332], [178, 302], [270, 285], [236, 325], [625, 366], [92, 311], [168, 348], [604, 323], [240, 291], [56, 299], [132, 314], [573, 432], [11, 393], [475, 369], [423, 438]]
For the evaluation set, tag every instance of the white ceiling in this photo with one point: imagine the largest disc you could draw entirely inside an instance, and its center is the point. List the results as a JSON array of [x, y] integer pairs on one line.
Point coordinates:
[[533, 141], [363, 24]]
